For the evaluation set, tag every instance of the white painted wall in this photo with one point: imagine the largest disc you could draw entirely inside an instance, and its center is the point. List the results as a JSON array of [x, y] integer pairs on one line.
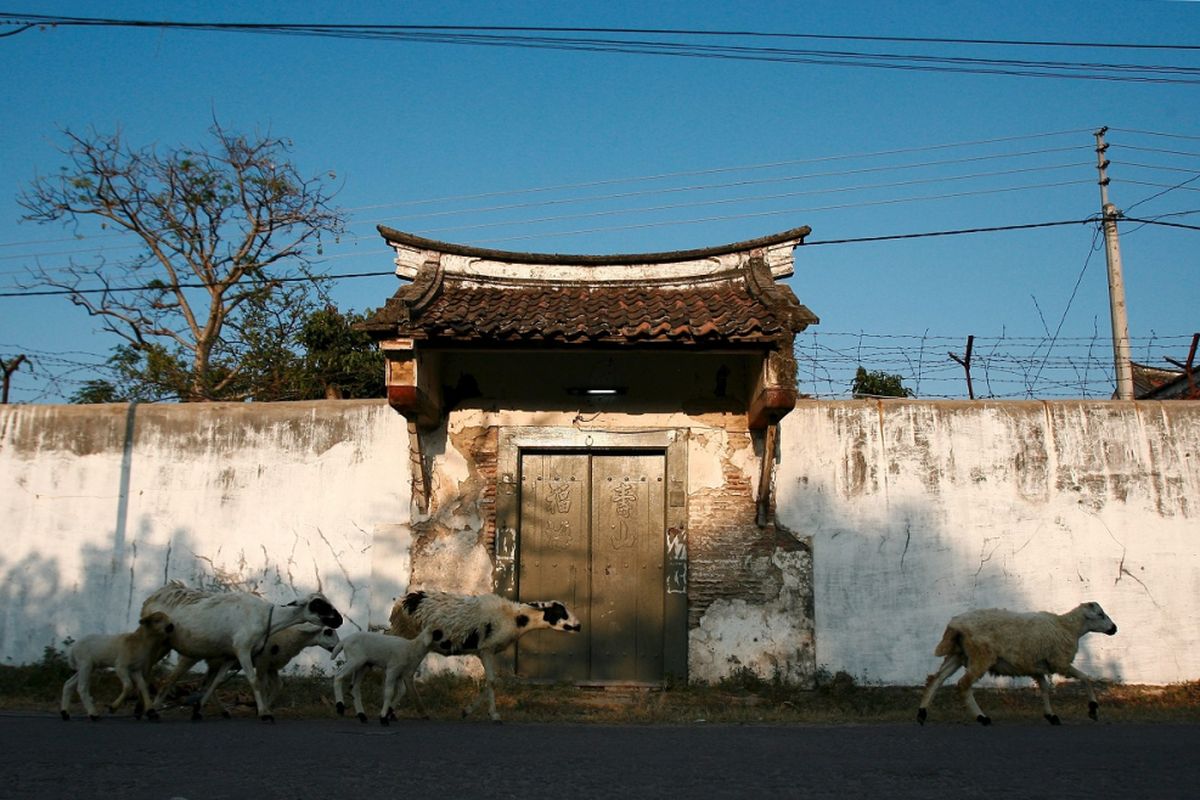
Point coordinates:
[[916, 510], [920, 510], [282, 498]]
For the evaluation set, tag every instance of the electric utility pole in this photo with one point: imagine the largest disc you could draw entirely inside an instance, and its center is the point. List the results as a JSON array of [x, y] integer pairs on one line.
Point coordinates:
[[1116, 284]]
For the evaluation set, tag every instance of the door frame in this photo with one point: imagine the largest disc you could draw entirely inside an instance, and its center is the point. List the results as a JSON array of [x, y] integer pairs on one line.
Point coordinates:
[[672, 443]]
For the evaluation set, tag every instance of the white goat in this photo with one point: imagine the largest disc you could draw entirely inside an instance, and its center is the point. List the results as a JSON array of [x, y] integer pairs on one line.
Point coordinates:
[[131, 655], [480, 625], [230, 625], [399, 658], [281, 648], [1035, 644]]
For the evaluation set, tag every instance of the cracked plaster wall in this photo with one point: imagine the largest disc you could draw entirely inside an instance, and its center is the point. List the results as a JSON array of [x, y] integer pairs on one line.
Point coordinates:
[[918, 511], [774, 640], [103, 504], [914, 510]]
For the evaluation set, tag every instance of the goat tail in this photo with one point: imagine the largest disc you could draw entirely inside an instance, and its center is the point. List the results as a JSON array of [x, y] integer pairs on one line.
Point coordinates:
[[951, 642], [412, 601], [403, 623]]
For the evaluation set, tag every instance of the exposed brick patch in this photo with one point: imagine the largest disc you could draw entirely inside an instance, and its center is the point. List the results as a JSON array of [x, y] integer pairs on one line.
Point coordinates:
[[729, 556]]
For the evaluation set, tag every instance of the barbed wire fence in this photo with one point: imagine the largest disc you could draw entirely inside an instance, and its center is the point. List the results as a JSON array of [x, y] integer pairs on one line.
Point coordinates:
[[50, 377], [1002, 366]]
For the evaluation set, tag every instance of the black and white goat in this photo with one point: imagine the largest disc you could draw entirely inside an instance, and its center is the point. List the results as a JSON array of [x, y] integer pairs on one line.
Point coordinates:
[[479, 625], [230, 626]]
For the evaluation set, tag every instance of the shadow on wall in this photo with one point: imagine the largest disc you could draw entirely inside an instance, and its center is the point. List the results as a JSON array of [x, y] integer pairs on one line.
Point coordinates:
[[43, 602], [30, 587], [889, 576], [886, 587]]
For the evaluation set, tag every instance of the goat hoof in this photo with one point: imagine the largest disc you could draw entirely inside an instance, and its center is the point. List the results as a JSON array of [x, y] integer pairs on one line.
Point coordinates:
[[384, 721], [1093, 708], [94, 717], [152, 715], [268, 718], [341, 709], [984, 720], [65, 716], [1053, 719], [196, 715], [225, 714], [921, 714], [362, 718]]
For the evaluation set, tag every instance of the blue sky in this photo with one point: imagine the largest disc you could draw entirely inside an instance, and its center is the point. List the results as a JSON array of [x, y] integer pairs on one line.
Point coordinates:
[[652, 153]]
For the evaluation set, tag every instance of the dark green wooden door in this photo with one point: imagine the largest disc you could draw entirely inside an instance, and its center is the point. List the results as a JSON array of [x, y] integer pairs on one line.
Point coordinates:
[[592, 535], [553, 560]]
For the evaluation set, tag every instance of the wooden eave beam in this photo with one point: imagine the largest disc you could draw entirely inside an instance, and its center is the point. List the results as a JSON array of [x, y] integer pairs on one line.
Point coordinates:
[[774, 394], [412, 383]]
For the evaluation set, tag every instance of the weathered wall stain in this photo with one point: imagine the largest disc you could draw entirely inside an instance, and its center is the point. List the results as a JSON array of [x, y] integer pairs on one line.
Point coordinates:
[[901, 513], [1041, 505], [273, 498]]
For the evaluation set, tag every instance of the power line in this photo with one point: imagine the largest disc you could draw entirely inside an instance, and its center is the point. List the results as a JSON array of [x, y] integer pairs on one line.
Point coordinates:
[[659, 208], [747, 168], [1156, 195], [660, 191], [959, 232], [1070, 301], [779, 212], [726, 201], [773, 180], [697, 187], [1164, 224], [581, 39], [777, 196], [616, 181], [1156, 133], [1168, 187], [1160, 150], [314, 28], [158, 287]]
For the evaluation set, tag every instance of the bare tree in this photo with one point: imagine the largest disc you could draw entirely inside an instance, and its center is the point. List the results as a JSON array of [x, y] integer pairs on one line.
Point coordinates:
[[223, 234]]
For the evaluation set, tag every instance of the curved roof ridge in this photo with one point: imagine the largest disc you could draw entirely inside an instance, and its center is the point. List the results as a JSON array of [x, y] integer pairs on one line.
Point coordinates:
[[394, 236]]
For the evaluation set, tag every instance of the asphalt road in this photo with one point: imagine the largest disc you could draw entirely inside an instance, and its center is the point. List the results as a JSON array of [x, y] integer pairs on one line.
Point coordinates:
[[44, 757]]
